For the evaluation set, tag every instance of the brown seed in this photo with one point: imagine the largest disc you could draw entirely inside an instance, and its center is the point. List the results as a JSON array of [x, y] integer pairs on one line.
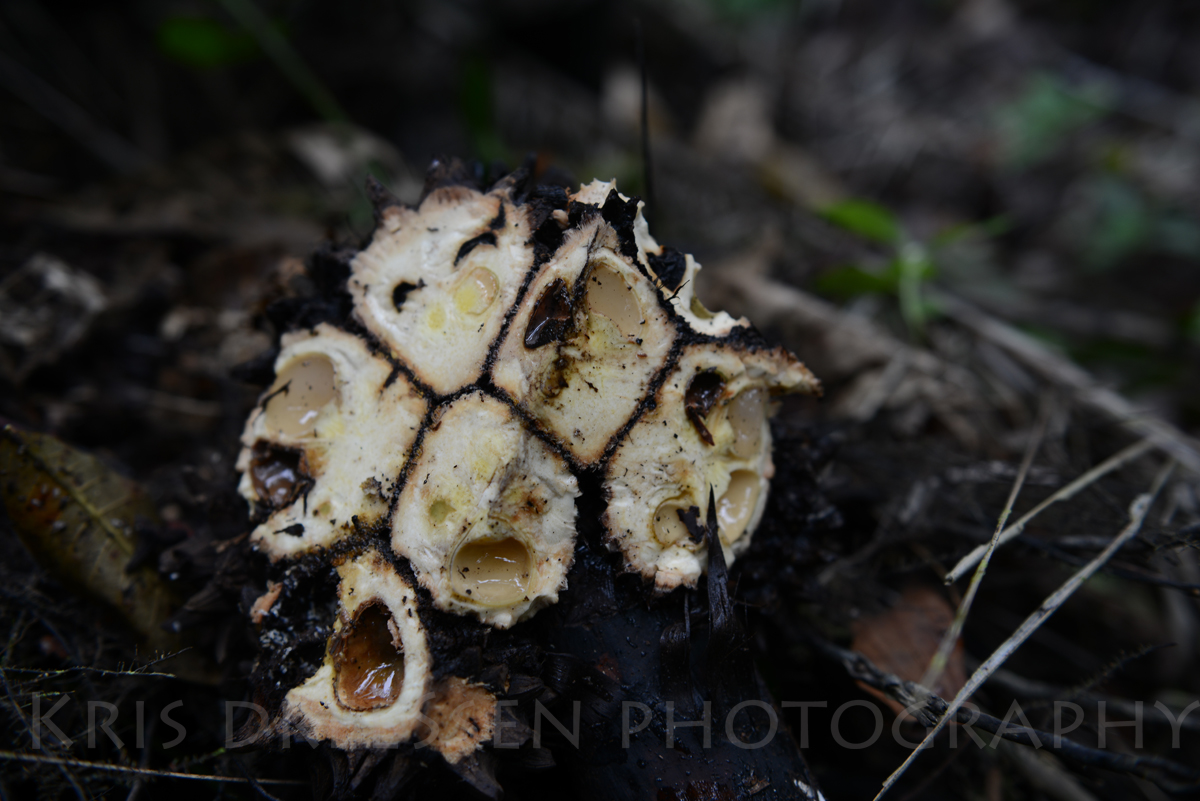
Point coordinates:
[[277, 474], [367, 661], [702, 394], [550, 316]]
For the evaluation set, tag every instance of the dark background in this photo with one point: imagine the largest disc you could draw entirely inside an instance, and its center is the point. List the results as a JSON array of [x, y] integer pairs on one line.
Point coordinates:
[[1041, 159]]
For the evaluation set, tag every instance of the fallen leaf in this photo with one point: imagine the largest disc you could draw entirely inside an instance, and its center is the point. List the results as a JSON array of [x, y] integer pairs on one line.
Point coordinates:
[[903, 639], [77, 517]]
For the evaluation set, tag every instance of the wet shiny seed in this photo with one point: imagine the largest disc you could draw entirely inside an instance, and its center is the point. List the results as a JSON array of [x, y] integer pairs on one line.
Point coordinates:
[[608, 294], [276, 474], [550, 315], [747, 412], [476, 292], [369, 666], [492, 572], [736, 506], [300, 391], [702, 394]]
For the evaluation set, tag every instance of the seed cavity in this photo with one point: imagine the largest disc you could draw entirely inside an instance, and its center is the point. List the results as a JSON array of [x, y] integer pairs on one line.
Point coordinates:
[[278, 474], [609, 295], [302, 389], [400, 293], [668, 527], [736, 506], [747, 412], [699, 310], [439, 510], [702, 394], [492, 572], [476, 292], [369, 664], [488, 238], [550, 316]]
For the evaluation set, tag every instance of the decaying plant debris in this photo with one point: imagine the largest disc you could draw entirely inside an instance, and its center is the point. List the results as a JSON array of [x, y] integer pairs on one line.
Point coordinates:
[[138, 320]]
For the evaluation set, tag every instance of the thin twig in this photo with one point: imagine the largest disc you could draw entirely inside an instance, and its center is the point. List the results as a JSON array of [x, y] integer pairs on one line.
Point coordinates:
[[1087, 479], [1063, 372], [273, 43], [937, 665], [926, 707], [116, 153], [125, 769], [1137, 515]]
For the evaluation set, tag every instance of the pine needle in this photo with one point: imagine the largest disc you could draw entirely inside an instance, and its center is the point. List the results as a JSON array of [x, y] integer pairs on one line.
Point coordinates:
[[937, 665], [125, 769], [1137, 516], [1070, 490]]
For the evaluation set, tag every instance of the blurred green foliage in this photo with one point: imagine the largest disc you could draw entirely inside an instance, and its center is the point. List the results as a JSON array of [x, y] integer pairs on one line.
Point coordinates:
[[476, 103], [204, 43], [1115, 220], [910, 265], [1037, 123], [866, 219]]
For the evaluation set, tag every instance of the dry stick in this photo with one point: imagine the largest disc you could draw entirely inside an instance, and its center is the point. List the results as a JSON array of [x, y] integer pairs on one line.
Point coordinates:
[[1137, 515], [161, 774], [1062, 371], [937, 665], [1087, 479], [926, 706]]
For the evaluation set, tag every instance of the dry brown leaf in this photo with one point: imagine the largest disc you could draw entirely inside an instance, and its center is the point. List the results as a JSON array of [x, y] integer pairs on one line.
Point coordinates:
[[76, 516], [903, 639]]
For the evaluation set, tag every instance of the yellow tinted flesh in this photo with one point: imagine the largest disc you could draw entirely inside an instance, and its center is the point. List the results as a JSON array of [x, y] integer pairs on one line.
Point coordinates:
[[492, 572], [747, 412], [609, 295], [300, 391], [736, 506]]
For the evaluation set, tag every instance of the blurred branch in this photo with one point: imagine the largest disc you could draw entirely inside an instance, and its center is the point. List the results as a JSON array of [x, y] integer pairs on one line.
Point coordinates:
[[1061, 371], [119, 155]]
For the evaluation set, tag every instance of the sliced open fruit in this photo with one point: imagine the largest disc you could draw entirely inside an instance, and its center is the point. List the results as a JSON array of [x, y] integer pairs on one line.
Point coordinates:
[[586, 342], [708, 430], [327, 442], [370, 689], [436, 281], [487, 518]]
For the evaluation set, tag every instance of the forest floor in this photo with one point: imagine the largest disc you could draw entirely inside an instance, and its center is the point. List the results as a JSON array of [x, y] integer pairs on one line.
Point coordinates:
[[978, 222]]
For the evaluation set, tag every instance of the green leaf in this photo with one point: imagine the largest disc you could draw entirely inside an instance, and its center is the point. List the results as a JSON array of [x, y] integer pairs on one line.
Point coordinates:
[[1037, 123], [477, 106], [851, 281], [913, 267], [204, 43], [986, 229], [864, 218]]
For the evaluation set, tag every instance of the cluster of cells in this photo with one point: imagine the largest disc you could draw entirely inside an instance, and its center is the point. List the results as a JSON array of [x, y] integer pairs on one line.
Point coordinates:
[[498, 352]]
